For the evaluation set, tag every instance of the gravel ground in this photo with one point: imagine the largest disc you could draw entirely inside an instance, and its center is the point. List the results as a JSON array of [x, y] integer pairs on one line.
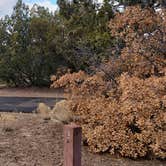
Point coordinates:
[[29, 140]]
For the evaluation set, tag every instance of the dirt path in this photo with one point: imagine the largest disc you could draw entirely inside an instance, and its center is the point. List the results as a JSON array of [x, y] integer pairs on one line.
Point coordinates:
[[29, 140], [31, 92], [25, 104], [27, 99]]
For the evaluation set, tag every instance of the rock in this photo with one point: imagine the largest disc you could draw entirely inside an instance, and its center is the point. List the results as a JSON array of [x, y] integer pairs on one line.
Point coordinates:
[[43, 109], [61, 112]]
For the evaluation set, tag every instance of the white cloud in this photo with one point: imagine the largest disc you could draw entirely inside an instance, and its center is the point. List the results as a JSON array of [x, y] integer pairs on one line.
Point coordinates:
[[6, 7]]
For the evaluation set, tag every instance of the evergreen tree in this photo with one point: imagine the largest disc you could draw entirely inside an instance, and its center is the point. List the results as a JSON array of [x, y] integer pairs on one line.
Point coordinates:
[[15, 57], [85, 31], [144, 3], [28, 46]]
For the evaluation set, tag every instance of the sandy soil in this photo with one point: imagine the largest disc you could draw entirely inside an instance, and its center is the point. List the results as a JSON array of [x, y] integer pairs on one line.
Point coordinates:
[[29, 140]]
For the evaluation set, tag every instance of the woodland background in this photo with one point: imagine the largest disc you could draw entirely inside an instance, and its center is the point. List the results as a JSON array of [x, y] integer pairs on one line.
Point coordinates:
[[35, 43]]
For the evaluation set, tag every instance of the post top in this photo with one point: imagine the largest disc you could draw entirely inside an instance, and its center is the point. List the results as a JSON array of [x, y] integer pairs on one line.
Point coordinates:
[[72, 125]]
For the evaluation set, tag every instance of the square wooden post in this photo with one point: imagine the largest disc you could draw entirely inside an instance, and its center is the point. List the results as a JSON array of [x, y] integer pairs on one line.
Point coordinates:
[[72, 145]]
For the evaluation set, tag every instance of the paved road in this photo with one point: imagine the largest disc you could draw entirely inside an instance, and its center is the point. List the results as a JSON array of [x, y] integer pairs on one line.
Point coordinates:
[[24, 104]]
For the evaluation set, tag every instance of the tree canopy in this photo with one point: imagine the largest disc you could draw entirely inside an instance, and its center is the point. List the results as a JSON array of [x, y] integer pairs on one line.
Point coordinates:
[[36, 43]]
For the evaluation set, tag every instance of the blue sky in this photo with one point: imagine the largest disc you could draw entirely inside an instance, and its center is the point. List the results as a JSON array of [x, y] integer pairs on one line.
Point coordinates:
[[34, 1], [51, 4], [6, 6]]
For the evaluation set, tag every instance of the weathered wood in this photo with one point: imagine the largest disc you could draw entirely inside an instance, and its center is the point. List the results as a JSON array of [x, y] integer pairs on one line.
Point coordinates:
[[72, 145]]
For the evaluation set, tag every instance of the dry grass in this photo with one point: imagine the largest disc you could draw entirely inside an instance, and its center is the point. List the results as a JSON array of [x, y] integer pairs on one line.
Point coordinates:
[[7, 117]]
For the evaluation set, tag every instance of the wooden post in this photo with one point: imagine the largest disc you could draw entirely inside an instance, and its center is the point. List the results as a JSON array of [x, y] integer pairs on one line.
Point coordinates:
[[72, 145]]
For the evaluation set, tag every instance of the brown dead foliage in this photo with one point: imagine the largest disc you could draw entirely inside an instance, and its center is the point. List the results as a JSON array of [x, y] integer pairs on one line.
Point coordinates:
[[131, 124], [144, 35], [122, 107]]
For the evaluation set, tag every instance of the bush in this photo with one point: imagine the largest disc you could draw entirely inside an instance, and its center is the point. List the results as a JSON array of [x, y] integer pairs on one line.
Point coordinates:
[[129, 122], [122, 104]]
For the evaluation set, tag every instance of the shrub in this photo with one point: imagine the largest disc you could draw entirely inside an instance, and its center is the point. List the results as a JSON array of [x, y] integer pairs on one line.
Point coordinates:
[[122, 104]]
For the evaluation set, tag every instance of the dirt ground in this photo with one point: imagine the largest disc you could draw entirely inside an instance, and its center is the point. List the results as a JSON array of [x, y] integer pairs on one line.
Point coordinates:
[[29, 140]]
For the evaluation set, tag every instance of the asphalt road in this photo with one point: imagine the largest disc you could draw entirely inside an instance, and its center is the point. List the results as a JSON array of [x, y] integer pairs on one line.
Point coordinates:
[[24, 104]]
